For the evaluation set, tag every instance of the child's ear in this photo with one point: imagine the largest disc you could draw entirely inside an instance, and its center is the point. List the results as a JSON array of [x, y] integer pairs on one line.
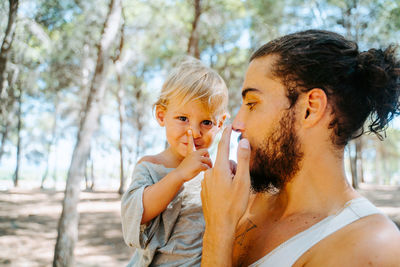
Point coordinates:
[[160, 115], [222, 120]]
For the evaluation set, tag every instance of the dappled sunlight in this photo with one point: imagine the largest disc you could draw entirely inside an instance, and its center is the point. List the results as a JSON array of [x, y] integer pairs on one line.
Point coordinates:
[[28, 229], [28, 225], [78, 83]]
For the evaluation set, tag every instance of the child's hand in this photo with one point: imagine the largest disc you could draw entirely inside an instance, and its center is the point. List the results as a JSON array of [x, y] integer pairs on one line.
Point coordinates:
[[195, 161]]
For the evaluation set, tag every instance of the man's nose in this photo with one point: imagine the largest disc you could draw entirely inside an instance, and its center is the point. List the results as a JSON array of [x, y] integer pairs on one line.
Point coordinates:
[[238, 124]]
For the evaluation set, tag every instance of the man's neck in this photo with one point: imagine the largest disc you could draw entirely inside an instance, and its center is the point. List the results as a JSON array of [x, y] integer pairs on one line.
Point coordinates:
[[317, 191], [319, 187]]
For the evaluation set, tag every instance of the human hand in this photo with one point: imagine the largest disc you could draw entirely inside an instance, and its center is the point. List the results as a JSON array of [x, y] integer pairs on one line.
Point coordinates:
[[226, 187], [194, 162]]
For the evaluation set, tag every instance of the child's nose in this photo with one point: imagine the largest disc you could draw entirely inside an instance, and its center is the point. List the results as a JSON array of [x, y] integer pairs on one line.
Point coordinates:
[[195, 131]]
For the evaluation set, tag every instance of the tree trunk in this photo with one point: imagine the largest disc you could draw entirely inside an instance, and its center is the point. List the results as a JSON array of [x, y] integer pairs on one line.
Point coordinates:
[[138, 141], [121, 105], [356, 162], [6, 106], [359, 160], [121, 113], [4, 135], [353, 163], [68, 223], [87, 178], [379, 163], [193, 44], [51, 142], [7, 42], [18, 161], [55, 170], [92, 177], [46, 171]]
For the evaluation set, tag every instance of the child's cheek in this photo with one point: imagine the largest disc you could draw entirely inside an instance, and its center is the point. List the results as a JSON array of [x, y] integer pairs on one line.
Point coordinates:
[[209, 138]]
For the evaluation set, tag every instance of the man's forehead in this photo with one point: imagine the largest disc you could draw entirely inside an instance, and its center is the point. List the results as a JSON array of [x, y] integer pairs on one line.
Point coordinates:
[[259, 71], [263, 66]]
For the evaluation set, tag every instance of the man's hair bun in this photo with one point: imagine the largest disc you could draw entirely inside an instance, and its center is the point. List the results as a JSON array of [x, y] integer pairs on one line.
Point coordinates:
[[378, 76]]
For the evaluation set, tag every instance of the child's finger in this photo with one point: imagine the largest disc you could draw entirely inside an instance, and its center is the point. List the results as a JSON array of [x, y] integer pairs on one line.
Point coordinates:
[[205, 167], [207, 161], [190, 146], [203, 152]]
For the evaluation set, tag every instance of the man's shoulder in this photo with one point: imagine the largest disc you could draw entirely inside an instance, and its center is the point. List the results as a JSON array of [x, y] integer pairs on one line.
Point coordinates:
[[377, 239], [373, 240]]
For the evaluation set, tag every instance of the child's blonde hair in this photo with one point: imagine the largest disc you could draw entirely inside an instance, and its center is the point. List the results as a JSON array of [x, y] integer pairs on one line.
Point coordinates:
[[192, 80]]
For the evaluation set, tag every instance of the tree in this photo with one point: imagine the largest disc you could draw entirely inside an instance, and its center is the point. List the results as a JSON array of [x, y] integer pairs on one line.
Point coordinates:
[[193, 44], [7, 43], [68, 223], [52, 140], [7, 105], [7, 97], [19, 125], [121, 105]]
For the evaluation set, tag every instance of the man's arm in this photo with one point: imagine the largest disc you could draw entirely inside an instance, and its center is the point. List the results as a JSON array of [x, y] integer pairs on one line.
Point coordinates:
[[225, 195]]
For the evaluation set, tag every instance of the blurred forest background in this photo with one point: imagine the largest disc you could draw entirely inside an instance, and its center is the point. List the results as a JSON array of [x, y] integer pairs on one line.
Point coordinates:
[[78, 80]]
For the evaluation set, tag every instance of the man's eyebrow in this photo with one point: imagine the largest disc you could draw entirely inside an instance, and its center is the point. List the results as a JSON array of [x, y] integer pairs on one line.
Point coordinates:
[[245, 91]]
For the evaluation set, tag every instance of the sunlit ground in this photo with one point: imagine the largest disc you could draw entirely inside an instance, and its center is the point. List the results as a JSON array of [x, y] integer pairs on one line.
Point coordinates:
[[28, 223]]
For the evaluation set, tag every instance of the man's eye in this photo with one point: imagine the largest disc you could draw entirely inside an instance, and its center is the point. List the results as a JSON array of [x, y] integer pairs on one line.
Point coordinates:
[[182, 118], [251, 105], [208, 123]]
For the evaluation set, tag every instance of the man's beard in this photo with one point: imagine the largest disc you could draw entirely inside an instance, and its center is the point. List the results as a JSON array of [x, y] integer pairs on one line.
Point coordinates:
[[278, 158]]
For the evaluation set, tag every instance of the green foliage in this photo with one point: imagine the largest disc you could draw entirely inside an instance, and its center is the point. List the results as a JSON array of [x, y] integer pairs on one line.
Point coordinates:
[[55, 53]]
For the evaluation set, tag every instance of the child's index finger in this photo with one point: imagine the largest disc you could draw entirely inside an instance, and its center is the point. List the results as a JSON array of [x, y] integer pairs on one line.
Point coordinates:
[[190, 146]]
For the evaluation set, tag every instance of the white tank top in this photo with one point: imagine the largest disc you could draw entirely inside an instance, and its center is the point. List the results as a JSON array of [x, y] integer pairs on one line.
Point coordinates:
[[291, 250]]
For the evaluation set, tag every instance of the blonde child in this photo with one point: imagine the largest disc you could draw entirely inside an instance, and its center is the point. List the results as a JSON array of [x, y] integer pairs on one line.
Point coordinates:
[[161, 210]]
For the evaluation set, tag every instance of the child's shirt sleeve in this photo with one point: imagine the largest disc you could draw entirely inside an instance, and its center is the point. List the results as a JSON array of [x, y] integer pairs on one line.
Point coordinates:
[[159, 229]]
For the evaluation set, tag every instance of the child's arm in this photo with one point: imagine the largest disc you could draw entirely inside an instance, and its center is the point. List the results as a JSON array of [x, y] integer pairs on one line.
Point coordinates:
[[157, 196]]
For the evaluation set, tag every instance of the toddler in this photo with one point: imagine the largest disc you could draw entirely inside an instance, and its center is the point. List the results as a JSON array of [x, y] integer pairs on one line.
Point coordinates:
[[161, 210]]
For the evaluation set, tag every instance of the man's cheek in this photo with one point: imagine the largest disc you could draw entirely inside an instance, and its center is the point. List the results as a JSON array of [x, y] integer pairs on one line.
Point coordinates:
[[252, 158]]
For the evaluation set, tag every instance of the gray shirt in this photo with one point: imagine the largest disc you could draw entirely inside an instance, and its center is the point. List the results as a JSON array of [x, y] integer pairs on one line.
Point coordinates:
[[173, 238]]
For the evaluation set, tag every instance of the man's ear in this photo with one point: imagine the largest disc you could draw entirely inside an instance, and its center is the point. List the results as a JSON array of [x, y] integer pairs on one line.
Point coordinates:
[[222, 120], [160, 115], [315, 106]]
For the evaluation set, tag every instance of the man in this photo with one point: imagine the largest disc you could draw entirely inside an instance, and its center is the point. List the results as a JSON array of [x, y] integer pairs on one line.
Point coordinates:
[[305, 95]]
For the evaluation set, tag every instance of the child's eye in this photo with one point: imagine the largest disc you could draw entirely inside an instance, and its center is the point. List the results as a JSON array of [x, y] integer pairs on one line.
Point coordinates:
[[207, 123], [251, 105], [182, 118]]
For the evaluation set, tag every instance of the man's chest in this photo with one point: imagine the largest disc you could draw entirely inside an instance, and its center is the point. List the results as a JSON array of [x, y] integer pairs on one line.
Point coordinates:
[[255, 239]]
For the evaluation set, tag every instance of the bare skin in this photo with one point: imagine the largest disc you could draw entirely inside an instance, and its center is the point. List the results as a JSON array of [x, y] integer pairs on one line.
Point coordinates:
[[190, 130], [244, 227], [157, 196]]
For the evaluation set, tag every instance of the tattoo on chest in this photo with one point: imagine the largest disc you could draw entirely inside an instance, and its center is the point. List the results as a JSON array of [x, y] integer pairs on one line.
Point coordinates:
[[243, 231]]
